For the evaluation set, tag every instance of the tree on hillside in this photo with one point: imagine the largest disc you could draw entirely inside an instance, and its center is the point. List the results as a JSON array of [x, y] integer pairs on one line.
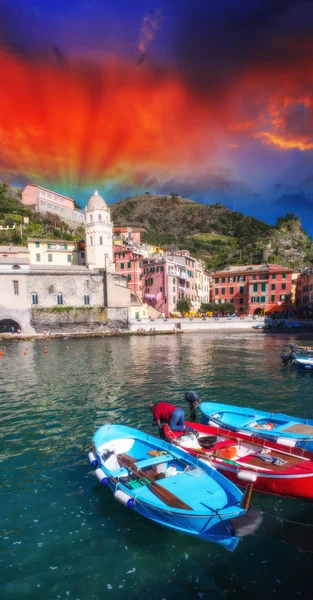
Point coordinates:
[[287, 221]]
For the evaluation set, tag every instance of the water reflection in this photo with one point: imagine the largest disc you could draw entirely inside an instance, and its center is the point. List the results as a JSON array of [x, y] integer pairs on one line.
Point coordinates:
[[67, 534]]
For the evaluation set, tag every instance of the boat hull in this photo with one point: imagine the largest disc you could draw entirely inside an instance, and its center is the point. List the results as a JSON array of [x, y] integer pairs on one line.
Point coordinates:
[[296, 482], [214, 501], [303, 364]]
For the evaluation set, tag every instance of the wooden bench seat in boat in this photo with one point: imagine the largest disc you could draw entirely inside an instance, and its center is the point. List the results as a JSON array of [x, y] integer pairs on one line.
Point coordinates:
[[148, 462], [299, 428], [256, 461], [153, 460]]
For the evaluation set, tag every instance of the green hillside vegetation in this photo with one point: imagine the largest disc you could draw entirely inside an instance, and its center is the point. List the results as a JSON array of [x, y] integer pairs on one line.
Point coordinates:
[[214, 233], [12, 211]]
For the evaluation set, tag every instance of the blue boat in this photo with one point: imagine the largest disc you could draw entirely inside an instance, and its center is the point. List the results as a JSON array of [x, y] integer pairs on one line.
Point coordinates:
[[303, 362], [300, 356], [281, 428], [146, 474]]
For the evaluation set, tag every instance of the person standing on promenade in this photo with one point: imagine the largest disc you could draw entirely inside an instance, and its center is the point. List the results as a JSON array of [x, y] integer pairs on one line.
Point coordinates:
[[168, 413]]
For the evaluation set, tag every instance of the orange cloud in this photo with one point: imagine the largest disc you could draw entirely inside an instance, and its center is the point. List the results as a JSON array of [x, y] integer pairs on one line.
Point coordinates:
[[285, 143], [77, 124], [80, 124]]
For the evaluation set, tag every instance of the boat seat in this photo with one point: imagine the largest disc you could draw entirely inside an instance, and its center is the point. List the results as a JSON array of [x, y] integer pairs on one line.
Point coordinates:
[[223, 444], [122, 472], [153, 460]]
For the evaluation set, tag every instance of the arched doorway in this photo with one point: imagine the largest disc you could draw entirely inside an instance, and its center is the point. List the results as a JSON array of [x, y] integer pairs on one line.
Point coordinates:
[[9, 325], [258, 311]]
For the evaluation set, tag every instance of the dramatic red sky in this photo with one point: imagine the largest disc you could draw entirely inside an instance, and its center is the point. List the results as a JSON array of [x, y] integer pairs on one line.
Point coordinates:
[[214, 102]]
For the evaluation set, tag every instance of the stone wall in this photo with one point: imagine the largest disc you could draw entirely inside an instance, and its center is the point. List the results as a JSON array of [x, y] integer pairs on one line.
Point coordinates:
[[72, 285], [73, 315], [69, 319], [118, 317]]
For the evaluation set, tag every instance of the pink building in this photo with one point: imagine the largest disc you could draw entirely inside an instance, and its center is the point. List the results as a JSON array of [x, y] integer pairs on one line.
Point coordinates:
[[172, 278], [43, 201], [129, 262], [128, 234]]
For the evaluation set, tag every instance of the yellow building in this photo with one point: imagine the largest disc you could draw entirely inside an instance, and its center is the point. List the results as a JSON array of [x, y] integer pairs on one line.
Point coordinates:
[[155, 249], [53, 252]]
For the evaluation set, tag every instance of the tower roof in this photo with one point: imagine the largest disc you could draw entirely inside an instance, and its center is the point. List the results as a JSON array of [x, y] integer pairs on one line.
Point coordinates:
[[96, 202]]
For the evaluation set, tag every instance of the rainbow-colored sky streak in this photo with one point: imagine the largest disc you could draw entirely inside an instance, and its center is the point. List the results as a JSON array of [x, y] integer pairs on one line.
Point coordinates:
[[213, 100]]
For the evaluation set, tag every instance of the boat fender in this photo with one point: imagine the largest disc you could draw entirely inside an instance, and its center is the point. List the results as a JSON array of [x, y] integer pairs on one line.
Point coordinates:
[[286, 441], [102, 476], [124, 498], [245, 476], [92, 459]]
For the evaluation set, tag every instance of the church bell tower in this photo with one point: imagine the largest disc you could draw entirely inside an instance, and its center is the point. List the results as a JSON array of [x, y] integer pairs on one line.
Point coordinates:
[[98, 234]]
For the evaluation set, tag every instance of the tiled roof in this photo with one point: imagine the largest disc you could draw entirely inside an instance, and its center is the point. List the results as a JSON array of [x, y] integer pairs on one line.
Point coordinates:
[[254, 268]]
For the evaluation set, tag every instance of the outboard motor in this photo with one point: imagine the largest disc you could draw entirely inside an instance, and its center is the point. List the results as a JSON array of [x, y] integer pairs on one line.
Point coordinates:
[[285, 357], [193, 400]]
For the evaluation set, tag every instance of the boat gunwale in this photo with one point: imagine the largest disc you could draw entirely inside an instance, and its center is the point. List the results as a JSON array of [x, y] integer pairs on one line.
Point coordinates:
[[226, 485]]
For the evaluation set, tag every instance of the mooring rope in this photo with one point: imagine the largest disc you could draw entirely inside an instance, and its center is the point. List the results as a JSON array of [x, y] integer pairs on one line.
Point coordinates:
[[282, 518]]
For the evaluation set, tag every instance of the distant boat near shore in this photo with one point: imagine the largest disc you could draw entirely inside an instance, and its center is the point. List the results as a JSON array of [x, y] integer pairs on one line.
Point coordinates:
[[300, 356]]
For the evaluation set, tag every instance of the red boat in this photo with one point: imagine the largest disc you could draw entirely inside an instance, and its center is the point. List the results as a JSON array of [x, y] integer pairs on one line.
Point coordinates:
[[273, 468]]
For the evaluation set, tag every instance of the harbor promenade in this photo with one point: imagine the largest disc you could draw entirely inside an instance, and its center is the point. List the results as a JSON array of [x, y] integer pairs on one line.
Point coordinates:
[[194, 324]]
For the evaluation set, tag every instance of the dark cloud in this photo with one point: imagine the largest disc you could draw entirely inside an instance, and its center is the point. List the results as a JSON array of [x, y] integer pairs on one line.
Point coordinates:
[[220, 183], [59, 56], [216, 47], [294, 203], [265, 15], [142, 58]]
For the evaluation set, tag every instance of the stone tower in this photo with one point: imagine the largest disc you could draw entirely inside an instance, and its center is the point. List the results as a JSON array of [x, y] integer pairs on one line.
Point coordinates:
[[98, 234]]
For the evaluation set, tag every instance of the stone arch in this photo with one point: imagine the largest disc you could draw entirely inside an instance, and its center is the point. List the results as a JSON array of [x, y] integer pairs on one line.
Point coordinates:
[[6, 324]]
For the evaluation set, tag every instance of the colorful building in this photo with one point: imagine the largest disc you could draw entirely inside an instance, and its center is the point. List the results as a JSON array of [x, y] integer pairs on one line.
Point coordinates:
[[172, 278], [53, 252], [129, 262], [127, 234], [254, 288], [14, 258], [47, 201], [304, 289]]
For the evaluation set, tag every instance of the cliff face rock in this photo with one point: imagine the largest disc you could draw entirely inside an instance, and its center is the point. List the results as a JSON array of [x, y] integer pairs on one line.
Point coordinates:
[[213, 232], [288, 244]]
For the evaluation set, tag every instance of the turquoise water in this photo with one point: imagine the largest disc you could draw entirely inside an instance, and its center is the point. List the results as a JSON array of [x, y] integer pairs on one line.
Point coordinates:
[[63, 536]]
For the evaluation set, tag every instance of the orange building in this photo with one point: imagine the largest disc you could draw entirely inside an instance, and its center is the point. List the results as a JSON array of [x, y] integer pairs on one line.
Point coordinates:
[[254, 288]]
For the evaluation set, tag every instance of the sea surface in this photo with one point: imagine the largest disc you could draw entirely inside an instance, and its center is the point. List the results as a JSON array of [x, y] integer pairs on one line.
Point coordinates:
[[63, 536]]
